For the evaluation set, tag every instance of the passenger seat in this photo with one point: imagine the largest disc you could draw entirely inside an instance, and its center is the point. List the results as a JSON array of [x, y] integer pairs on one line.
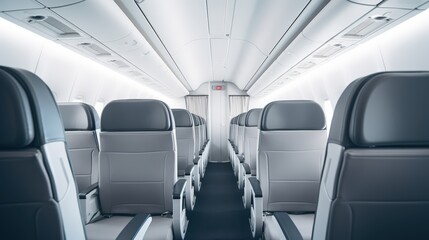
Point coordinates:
[[81, 123], [291, 147], [38, 197]]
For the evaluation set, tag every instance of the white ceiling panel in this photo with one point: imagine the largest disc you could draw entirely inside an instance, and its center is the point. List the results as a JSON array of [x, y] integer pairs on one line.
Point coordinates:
[[219, 48], [177, 22], [9, 5], [217, 11], [408, 4], [243, 60], [195, 62], [264, 22]]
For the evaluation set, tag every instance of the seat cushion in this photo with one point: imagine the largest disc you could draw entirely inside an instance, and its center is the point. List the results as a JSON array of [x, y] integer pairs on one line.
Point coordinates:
[[304, 223], [160, 228], [107, 228]]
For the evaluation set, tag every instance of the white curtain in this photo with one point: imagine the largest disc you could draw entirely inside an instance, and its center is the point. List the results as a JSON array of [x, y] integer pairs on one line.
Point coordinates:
[[197, 104], [238, 104]]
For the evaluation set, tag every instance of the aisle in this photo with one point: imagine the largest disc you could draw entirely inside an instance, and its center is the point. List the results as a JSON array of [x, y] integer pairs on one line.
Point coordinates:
[[219, 211]]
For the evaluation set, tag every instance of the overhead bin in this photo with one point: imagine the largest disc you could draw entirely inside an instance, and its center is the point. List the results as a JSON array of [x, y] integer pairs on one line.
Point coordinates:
[[59, 3], [8, 5], [337, 27]]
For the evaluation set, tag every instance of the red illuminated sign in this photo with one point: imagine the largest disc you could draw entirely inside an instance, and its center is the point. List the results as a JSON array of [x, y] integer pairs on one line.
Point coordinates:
[[218, 87]]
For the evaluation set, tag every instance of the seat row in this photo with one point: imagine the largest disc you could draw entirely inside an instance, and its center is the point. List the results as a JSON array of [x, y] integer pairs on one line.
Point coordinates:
[[135, 170], [367, 180]]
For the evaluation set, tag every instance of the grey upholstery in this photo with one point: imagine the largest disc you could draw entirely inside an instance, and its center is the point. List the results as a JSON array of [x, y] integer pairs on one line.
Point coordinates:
[[138, 161], [251, 138], [240, 134], [197, 134], [185, 139], [374, 184], [81, 123], [39, 197], [290, 159]]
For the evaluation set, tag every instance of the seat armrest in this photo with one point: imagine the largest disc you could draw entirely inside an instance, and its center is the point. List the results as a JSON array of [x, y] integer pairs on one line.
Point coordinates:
[[256, 187], [180, 221], [289, 229], [189, 170], [255, 207], [89, 203], [241, 158], [246, 168], [136, 228], [201, 152], [236, 149], [196, 160], [179, 188], [190, 176], [83, 194]]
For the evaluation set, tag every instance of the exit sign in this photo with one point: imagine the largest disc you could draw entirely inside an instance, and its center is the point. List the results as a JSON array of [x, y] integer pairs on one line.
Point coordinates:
[[218, 87]]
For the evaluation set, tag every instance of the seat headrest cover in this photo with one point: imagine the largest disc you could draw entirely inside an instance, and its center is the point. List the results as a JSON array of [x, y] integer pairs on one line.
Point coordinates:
[[183, 118], [79, 117], [292, 115], [47, 124], [16, 122], [196, 120], [236, 118], [383, 109], [252, 117], [136, 115], [242, 119]]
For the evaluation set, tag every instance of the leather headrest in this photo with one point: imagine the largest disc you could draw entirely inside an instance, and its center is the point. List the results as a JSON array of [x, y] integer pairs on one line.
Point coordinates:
[[292, 115], [202, 120], [242, 119], [136, 115], [236, 118], [196, 120], [183, 118], [383, 109], [79, 117], [29, 114], [252, 117], [16, 123]]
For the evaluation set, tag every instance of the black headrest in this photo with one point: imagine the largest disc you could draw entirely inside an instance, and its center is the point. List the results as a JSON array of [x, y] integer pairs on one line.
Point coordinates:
[[292, 115], [183, 118], [136, 115], [383, 109], [236, 118], [202, 121], [79, 117], [29, 114], [242, 119], [196, 120], [252, 117]]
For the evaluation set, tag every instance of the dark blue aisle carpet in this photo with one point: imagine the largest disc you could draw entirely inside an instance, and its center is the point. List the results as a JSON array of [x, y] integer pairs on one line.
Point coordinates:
[[219, 211]]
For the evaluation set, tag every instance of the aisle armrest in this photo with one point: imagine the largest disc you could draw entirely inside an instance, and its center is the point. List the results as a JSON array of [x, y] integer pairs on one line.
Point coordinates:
[[180, 220], [289, 229], [88, 201], [255, 207], [190, 173], [136, 228]]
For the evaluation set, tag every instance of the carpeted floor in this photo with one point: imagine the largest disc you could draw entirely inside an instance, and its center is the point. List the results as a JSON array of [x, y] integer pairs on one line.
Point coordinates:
[[219, 211]]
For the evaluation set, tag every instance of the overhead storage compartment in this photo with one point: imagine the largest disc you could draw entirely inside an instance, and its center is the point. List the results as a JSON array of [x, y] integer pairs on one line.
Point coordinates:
[[58, 3], [327, 36], [9, 5]]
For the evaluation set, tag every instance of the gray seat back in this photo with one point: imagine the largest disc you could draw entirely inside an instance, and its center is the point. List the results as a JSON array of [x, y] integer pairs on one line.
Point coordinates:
[[39, 197], [251, 138], [236, 119], [185, 139], [241, 126], [81, 123], [197, 134], [201, 126], [291, 145], [138, 158], [375, 179], [231, 129]]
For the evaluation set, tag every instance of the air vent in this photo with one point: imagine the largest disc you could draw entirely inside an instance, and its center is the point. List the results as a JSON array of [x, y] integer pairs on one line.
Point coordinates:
[[95, 49], [328, 51], [134, 73], [306, 65], [119, 63], [52, 26], [368, 26]]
